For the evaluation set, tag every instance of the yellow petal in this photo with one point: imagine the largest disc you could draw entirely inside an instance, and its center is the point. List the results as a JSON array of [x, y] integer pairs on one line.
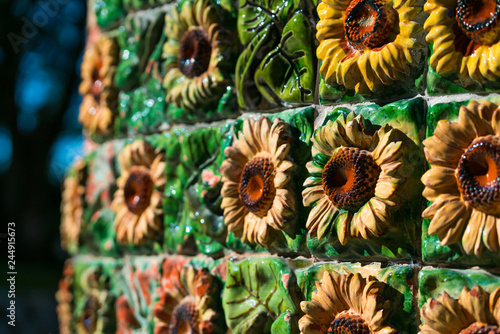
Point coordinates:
[[476, 303]]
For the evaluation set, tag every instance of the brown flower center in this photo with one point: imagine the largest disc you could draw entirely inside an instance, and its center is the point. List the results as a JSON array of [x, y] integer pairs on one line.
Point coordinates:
[[194, 53], [478, 174], [348, 322], [88, 318], [368, 23], [184, 319], [350, 177], [138, 189], [96, 89], [478, 19], [257, 185], [480, 328]]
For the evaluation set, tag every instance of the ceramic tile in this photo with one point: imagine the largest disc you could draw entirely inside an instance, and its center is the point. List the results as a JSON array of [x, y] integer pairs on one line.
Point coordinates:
[[277, 65], [260, 294], [141, 102], [108, 12], [463, 52], [192, 206], [463, 231], [381, 218], [86, 207], [458, 300], [386, 62], [138, 284], [94, 294], [272, 149], [392, 287], [98, 109], [198, 59], [189, 295]]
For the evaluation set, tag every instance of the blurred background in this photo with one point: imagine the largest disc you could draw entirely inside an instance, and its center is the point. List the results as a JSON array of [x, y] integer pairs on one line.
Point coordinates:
[[40, 53]]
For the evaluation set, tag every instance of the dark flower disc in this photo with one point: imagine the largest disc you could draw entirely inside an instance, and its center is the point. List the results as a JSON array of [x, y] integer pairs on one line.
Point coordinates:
[[184, 319], [257, 185], [195, 51], [478, 174], [480, 328], [348, 323], [88, 318], [138, 189], [349, 178], [368, 23], [96, 89], [479, 20]]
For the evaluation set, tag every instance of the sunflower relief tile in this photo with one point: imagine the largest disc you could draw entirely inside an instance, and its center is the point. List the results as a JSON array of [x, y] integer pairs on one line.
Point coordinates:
[[95, 293], [363, 186], [363, 299], [98, 109], [461, 184], [199, 55], [381, 59], [261, 176], [464, 42], [189, 298]]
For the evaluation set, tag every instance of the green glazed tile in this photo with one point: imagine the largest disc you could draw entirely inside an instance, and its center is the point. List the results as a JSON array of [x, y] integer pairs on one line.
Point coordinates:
[[401, 239], [138, 284], [278, 64], [97, 234], [192, 201], [435, 281], [108, 12], [138, 37], [260, 295]]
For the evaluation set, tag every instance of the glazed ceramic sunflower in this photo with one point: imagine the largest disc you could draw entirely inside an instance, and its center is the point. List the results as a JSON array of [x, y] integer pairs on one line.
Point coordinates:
[[187, 300], [72, 205], [475, 311], [355, 178], [366, 44], [256, 195], [65, 300], [465, 37], [98, 107], [196, 54], [463, 182], [94, 313], [346, 303], [138, 200]]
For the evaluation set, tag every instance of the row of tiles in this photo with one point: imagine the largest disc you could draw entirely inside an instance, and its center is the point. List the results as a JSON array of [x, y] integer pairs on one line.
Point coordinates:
[[200, 60], [272, 295], [348, 190]]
